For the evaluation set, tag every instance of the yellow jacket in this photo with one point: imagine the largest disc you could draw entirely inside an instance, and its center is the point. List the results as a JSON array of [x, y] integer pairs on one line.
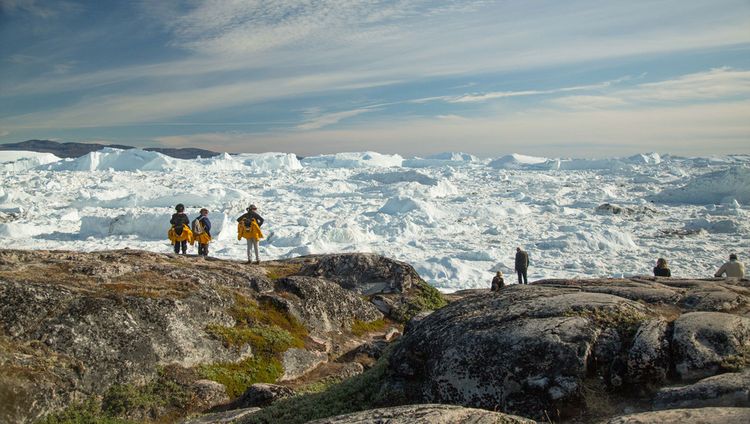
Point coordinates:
[[186, 235], [202, 238], [251, 233]]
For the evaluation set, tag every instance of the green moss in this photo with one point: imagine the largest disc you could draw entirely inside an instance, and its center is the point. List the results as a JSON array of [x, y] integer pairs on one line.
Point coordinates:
[[268, 330], [87, 412], [238, 376], [422, 297], [364, 391], [360, 328], [276, 271]]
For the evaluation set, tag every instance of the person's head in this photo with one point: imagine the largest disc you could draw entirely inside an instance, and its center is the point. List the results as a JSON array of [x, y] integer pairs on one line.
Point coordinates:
[[661, 263], [180, 207], [518, 249], [204, 211], [499, 273], [252, 208], [732, 256]]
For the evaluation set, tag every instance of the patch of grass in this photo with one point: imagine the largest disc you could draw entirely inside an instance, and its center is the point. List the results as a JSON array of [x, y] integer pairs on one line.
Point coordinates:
[[268, 330], [276, 271], [360, 328], [160, 396], [422, 297], [238, 376], [86, 412], [364, 391]]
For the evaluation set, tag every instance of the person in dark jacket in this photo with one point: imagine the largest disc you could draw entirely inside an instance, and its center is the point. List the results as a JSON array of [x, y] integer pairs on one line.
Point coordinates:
[[497, 282], [252, 242], [202, 231], [522, 265], [662, 268], [178, 220]]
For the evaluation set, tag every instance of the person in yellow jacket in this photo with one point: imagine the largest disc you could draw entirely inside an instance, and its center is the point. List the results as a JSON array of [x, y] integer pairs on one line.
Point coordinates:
[[202, 232], [179, 234], [248, 227]]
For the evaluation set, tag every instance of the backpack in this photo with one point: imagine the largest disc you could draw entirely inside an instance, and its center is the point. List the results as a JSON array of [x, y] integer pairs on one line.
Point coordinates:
[[197, 226]]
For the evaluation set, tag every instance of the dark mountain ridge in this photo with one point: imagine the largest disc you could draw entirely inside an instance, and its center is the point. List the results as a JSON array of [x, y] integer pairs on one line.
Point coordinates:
[[74, 150]]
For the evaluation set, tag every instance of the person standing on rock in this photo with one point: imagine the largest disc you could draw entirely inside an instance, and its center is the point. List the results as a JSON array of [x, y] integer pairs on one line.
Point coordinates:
[[732, 269], [248, 227], [498, 282], [202, 232], [662, 268], [522, 265], [179, 234]]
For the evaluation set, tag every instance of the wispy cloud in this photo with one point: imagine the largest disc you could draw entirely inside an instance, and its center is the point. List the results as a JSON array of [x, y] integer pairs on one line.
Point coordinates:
[[716, 84], [331, 118]]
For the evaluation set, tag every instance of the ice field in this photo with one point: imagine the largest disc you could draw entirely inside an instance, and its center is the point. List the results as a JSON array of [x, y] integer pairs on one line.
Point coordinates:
[[455, 217]]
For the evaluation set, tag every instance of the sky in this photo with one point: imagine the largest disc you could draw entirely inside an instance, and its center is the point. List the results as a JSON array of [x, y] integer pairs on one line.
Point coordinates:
[[547, 78]]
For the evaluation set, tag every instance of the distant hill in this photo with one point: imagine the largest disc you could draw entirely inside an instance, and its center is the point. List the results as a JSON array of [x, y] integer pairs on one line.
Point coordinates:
[[74, 150]]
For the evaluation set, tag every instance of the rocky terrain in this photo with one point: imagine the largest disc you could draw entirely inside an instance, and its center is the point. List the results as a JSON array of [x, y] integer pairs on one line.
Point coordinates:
[[141, 335], [132, 335]]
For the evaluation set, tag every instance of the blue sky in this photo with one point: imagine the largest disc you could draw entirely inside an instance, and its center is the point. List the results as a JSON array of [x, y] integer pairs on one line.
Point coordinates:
[[550, 78]]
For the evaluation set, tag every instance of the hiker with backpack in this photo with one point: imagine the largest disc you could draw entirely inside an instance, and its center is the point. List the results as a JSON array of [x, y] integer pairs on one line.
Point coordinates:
[[179, 234], [202, 232], [248, 227]]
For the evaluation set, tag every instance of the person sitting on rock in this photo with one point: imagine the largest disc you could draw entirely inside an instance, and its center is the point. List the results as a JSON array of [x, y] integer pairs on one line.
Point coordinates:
[[498, 282], [248, 226], [662, 269], [732, 269], [179, 234], [202, 232]]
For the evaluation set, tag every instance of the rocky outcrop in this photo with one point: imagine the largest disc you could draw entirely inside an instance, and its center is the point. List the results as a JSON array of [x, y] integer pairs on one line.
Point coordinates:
[[260, 395], [682, 416], [323, 306], [553, 348], [730, 389], [365, 273], [704, 342], [74, 325], [425, 414]]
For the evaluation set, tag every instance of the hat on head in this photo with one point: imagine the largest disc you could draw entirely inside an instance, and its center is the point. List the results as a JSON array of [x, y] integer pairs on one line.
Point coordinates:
[[252, 208], [204, 210]]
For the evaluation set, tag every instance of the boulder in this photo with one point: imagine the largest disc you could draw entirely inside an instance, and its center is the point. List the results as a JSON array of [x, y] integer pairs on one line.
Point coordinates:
[[208, 393], [260, 395], [365, 273], [706, 342], [526, 350], [225, 417], [323, 306], [425, 414], [731, 389], [649, 359], [682, 416], [298, 362]]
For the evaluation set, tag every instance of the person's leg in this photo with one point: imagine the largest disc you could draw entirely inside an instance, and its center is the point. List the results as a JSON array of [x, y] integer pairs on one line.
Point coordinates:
[[176, 247], [249, 247], [520, 277], [525, 280], [255, 247], [184, 247]]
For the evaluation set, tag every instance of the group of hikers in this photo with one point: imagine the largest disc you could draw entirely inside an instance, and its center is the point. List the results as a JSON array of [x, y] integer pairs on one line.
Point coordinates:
[[183, 231], [731, 269]]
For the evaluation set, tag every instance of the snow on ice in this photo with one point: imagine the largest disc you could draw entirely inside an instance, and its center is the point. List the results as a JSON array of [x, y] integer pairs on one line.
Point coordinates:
[[455, 217]]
